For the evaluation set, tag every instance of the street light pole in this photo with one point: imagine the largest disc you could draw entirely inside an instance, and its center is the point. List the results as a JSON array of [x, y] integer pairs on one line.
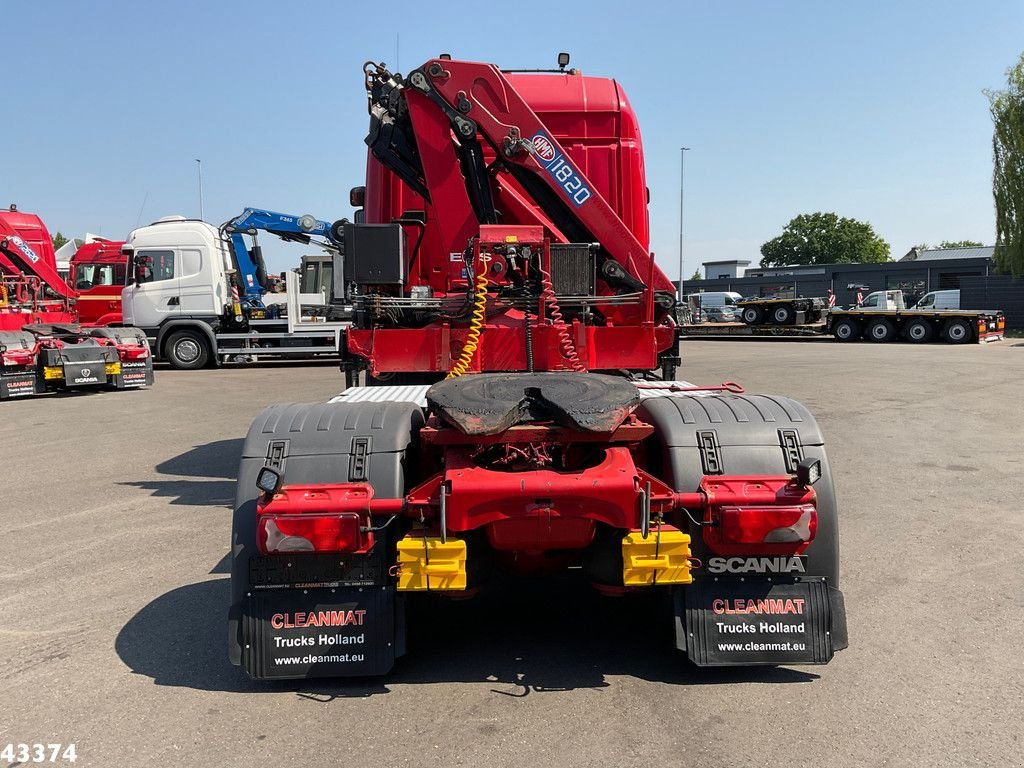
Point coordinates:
[[682, 177], [199, 166]]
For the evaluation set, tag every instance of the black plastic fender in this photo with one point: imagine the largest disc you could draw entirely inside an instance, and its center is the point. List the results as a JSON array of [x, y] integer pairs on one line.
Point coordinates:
[[748, 435], [756, 435], [316, 443], [120, 334]]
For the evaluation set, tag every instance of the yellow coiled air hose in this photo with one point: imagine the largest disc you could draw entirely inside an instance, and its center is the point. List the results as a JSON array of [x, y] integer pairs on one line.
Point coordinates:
[[476, 323]]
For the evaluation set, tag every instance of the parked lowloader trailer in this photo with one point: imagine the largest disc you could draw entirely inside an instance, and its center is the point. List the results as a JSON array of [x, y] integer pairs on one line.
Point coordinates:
[[43, 347], [184, 294], [773, 311], [819, 328], [884, 317], [544, 443]]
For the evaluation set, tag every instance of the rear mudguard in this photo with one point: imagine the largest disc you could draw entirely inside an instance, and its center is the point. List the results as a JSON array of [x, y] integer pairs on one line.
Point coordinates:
[[362, 631], [732, 434]]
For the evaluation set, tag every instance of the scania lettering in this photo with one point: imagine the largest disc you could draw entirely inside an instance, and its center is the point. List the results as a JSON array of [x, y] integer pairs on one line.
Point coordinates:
[[755, 565]]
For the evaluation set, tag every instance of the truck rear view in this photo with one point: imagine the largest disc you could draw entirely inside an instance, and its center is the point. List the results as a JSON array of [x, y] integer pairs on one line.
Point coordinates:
[[509, 316], [43, 345]]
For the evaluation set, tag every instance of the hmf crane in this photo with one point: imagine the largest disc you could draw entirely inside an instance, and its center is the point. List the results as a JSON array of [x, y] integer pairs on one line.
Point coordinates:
[[510, 315], [252, 270], [43, 346]]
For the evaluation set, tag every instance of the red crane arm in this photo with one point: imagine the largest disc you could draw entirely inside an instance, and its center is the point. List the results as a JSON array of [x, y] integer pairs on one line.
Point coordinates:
[[478, 98]]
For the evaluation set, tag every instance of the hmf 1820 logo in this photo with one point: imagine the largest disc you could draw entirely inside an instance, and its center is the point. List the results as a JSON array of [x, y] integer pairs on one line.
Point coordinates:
[[545, 149], [561, 170]]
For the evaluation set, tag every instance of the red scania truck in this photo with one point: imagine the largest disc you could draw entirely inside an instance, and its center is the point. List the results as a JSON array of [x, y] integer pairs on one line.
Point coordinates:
[[99, 272], [510, 318]]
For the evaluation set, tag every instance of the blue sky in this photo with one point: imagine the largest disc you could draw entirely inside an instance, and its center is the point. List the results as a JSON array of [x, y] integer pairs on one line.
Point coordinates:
[[873, 110]]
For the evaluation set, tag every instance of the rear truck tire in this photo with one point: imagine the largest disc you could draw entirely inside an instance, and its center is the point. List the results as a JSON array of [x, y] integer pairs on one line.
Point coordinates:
[[783, 314], [919, 331], [881, 330], [187, 350], [748, 435], [957, 331], [753, 315], [320, 443], [846, 329]]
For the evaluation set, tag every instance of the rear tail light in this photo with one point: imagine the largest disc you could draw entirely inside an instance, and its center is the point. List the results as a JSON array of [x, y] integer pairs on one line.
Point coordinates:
[[761, 530], [311, 532]]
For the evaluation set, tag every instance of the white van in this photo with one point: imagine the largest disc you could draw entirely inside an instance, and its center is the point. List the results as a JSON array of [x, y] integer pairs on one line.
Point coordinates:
[[710, 299], [939, 300]]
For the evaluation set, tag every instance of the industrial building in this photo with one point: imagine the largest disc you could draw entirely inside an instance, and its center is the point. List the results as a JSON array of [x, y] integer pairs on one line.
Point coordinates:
[[921, 270]]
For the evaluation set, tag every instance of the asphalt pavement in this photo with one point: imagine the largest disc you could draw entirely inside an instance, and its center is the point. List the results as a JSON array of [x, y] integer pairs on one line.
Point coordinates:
[[115, 516]]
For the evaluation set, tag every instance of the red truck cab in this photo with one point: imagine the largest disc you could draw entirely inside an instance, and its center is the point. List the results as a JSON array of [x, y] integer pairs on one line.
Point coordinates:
[[98, 273]]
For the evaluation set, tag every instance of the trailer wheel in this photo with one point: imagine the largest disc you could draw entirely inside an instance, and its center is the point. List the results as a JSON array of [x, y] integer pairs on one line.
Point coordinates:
[[753, 315], [919, 332], [881, 330], [782, 314], [846, 329], [187, 351], [957, 331]]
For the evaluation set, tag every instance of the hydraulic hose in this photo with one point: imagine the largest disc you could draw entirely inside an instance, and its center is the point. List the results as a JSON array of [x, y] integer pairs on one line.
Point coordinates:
[[476, 322], [564, 339]]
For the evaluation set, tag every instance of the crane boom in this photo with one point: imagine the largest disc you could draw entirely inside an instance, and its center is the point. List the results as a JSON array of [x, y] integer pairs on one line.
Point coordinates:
[[288, 227]]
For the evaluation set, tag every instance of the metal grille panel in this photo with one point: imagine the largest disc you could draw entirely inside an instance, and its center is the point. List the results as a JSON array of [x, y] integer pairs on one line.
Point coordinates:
[[573, 269]]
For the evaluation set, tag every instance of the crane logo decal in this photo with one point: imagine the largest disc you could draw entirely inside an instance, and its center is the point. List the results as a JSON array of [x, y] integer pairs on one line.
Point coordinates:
[[568, 178], [545, 149], [22, 246]]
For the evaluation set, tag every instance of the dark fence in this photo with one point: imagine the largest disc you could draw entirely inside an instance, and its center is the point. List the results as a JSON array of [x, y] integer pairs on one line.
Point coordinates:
[[995, 292]]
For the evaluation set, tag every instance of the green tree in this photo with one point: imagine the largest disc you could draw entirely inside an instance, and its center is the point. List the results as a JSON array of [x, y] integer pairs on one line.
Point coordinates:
[[58, 240], [959, 244], [696, 275], [824, 238], [1007, 108]]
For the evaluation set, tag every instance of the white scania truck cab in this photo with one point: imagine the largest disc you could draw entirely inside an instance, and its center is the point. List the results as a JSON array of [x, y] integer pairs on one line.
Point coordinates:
[[180, 295]]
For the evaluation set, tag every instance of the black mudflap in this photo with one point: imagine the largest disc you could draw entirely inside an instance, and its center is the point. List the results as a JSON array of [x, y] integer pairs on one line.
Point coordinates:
[[751, 623], [84, 374], [323, 632], [135, 373], [20, 384]]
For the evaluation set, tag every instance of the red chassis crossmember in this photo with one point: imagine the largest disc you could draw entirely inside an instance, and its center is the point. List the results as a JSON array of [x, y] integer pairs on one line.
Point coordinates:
[[483, 486]]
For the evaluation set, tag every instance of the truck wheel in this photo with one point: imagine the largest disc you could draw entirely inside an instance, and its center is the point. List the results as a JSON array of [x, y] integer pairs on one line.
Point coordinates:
[[782, 314], [919, 332], [753, 315], [881, 330], [845, 329], [187, 351], [957, 331]]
